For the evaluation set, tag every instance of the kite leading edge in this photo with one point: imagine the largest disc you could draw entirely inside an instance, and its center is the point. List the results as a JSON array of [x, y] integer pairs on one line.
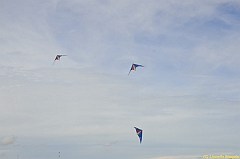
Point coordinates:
[[134, 66], [139, 133], [57, 58]]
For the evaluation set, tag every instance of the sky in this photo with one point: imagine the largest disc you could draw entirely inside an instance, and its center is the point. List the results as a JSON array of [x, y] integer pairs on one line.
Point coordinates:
[[185, 98]]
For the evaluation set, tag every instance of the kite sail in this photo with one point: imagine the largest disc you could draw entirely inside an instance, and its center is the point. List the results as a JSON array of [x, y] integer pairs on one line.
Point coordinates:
[[139, 133], [134, 66], [57, 58]]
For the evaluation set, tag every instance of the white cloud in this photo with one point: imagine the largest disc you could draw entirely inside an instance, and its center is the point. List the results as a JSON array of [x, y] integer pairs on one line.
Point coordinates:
[[8, 140], [110, 143]]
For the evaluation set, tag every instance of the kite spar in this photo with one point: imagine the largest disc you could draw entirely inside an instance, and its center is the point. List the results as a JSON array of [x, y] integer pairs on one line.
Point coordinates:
[[58, 58], [134, 67], [139, 133]]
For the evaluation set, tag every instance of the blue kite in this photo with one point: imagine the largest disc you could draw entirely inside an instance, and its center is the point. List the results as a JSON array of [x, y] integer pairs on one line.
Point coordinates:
[[134, 67], [57, 58], [139, 133]]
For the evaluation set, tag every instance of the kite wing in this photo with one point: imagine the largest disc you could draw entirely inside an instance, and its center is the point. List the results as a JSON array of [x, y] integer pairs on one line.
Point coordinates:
[[139, 133], [134, 66], [57, 58]]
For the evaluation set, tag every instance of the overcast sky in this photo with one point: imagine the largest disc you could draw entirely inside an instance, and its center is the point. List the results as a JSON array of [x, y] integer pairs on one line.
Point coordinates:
[[186, 98]]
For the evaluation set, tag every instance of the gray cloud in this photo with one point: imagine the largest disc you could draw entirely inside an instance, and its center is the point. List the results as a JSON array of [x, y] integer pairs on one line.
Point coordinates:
[[3, 152]]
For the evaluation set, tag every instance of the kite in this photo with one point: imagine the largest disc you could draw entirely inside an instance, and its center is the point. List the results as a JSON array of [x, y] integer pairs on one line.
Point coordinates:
[[57, 58], [139, 133], [134, 66]]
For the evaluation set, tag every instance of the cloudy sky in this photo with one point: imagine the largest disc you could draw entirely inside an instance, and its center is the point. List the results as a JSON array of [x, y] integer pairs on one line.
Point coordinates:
[[186, 98]]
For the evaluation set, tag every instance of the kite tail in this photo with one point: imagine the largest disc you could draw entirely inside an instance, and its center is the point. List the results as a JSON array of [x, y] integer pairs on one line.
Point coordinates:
[[129, 72], [53, 63]]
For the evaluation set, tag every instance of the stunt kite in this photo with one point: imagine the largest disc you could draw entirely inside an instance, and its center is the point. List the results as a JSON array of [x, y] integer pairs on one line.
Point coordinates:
[[139, 133], [57, 58], [134, 66]]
